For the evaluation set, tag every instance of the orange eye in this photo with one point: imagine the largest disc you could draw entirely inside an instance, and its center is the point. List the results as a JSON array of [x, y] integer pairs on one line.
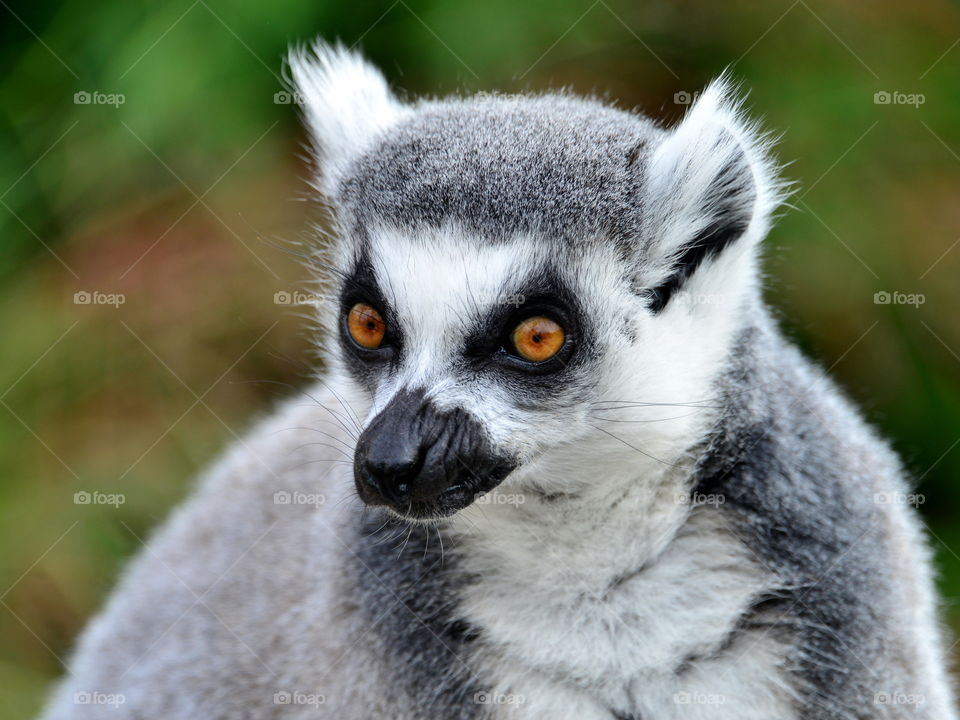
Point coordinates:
[[366, 326], [538, 338]]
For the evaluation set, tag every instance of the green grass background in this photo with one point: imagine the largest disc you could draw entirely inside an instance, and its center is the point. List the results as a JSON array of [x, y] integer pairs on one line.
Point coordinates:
[[103, 198]]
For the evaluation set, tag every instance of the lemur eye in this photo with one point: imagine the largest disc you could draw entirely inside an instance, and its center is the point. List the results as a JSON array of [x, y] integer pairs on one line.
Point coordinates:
[[366, 326], [538, 338]]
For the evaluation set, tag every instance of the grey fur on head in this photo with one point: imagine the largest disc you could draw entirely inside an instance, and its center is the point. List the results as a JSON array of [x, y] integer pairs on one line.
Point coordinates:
[[668, 513]]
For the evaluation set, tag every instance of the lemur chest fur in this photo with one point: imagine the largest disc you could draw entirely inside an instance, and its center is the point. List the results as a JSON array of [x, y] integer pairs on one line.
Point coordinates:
[[644, 620]]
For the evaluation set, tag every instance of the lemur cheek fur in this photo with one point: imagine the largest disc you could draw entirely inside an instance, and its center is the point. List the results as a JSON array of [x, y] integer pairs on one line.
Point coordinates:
[[561, 462]]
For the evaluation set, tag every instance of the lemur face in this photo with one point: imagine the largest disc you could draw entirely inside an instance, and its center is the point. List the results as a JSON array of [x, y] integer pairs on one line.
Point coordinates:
[[477, 356], [525, 281]]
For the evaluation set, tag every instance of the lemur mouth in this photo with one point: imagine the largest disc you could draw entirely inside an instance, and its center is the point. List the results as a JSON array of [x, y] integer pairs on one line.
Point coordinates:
[[449, 502], [422, 462]]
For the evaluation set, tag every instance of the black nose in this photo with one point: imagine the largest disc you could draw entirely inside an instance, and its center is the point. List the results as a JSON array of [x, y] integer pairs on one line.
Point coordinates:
[[391, 465], [422, 461], [392, 452]]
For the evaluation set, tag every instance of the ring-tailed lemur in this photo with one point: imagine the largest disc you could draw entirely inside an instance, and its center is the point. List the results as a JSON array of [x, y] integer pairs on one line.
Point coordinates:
[[596, 482]]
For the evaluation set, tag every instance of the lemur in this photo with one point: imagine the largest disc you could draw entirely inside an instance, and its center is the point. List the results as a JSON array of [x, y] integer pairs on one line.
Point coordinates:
[[560, 462]]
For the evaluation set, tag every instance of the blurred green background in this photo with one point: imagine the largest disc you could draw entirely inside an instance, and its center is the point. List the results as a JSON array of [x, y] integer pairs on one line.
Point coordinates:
[[178, 197]]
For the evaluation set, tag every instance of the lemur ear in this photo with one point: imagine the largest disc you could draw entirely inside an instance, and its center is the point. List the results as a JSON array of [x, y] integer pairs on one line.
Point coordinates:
[[345, 103], [710, 186]]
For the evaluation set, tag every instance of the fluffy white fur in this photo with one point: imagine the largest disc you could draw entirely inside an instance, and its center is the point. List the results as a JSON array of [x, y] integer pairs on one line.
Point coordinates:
[[345, 103]]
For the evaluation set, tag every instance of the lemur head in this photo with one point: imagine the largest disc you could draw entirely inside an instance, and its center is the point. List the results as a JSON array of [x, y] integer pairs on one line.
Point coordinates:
[[513, 273]]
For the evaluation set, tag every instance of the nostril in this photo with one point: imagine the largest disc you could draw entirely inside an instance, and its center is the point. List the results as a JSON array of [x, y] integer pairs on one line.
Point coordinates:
[[392, 480], [402, 492], [370, 480]]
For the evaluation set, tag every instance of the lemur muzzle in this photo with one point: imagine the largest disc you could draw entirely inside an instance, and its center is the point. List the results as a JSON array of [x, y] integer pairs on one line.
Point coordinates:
[[422, 461]]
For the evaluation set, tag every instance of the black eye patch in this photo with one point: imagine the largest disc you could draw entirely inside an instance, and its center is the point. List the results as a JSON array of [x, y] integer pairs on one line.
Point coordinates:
[[360, 286], [489, 345]]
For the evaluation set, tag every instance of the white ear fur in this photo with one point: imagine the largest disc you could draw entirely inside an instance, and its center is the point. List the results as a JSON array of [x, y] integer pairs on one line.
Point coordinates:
[[345, 102], [713, 168]]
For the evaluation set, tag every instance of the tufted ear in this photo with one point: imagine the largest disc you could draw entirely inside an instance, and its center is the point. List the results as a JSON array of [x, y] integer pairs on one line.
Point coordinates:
[[710, 185], [345, 103]]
